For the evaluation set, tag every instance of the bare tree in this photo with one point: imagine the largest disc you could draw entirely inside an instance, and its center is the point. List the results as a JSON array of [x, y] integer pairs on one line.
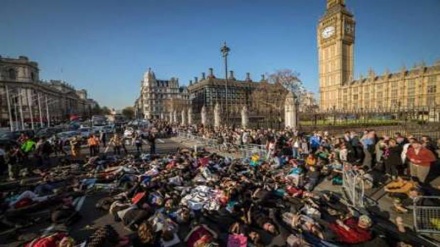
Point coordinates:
[[128, 112], [289, 80], [268, 99]]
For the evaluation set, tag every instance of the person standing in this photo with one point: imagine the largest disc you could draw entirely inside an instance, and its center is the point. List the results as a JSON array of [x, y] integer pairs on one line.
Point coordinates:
[[392, 159], [420, 160], [14, 157], [138, 143], [102, 137], [117, 143], [368, 144], [93, 144], [152, 141]]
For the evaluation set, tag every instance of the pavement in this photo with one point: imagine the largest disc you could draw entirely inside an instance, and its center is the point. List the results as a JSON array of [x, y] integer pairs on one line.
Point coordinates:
[[91, 218]]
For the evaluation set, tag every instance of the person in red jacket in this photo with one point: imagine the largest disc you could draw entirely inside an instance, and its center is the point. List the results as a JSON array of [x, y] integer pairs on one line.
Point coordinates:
[[420, 159], [352, 230]]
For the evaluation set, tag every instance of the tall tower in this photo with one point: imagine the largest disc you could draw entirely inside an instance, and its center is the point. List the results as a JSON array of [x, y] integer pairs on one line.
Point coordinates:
[[336, 51]]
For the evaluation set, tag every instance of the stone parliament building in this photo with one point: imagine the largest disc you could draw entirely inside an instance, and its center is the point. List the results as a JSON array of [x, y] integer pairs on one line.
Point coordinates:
[[417, 88]]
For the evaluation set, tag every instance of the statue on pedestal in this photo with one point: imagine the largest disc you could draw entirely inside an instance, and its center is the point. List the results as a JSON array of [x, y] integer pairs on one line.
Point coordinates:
[[203, 113], [244, 117], [217, 115]]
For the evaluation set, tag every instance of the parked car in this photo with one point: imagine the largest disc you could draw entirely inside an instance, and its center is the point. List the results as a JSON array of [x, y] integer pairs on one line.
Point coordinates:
[[8, 143], [65, 136], [47, 132], [85, 132], [109, 129], [14, 135]]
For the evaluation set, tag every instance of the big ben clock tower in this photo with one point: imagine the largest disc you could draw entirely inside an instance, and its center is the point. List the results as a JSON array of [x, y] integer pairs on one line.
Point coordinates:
[[335, 50]]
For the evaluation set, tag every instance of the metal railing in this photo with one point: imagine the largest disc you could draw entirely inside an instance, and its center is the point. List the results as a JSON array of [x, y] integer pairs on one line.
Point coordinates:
[[244, 151], [353, 187], [427, 218]]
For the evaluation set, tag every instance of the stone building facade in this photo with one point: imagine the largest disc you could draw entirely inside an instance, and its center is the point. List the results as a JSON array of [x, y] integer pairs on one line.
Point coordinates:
[[34, 100], [209, 90], [417, 88], [158, 97]]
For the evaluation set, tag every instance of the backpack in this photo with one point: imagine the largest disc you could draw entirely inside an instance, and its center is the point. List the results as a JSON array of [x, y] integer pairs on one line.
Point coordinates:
[[337, 180]]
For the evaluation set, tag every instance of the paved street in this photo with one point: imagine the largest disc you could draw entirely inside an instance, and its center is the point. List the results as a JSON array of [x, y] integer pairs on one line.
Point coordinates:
[[91, 217]]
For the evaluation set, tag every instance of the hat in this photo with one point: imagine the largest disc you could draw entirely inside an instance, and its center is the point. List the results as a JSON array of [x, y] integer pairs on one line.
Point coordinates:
[[366, 220]]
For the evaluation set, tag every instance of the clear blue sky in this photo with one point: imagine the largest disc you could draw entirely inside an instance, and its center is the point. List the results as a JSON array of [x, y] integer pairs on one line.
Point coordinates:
[[105, 46]]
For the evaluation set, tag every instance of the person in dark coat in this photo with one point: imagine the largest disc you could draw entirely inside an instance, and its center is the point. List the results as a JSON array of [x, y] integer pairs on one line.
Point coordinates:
[[152, 141], [392, 159]]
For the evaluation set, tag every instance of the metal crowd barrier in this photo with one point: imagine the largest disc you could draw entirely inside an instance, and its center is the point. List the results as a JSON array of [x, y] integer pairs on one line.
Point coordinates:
[[248, 150], [245, 151], [427, 218], [353, 187]]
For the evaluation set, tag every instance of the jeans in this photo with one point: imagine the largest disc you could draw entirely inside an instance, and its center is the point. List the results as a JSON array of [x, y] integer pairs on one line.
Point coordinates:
[[368, 159], [295, 152]]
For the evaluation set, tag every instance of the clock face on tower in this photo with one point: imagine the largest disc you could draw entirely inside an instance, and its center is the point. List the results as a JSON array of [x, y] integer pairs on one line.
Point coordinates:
[[328, 32]]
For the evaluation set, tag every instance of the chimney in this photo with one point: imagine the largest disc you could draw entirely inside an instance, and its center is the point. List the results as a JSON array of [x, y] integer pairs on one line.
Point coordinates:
[[263, 78], [231, 75], [190, 82], [196, 79], [203, 76], [211, 73], [248, 76]]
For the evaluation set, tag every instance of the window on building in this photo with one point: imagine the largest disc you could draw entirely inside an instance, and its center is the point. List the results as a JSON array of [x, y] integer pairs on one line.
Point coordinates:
[[432, 84], [411, 87], [431, 99], [12, 74]]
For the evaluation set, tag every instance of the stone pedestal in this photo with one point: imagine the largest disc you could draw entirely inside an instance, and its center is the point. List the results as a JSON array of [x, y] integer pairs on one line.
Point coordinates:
[[175, 116], [217, 121], [203, 116], [183, 118], [290, 118], [190, 121], [244, 117]]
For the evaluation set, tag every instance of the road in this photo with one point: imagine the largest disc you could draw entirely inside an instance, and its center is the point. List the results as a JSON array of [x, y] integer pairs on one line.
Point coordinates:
[[92, 218]]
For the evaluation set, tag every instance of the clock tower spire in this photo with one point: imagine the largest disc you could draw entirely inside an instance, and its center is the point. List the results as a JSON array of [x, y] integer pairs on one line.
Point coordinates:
[[336, 36], [331, 3]]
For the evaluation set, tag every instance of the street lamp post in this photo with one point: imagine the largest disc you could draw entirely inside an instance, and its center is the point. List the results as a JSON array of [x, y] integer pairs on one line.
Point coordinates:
[[225, 52]]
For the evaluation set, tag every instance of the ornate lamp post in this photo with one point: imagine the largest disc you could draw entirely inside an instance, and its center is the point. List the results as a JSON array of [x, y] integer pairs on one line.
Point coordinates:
[[225, 52]]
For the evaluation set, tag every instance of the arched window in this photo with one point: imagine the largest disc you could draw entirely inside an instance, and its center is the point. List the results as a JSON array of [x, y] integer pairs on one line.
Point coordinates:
[[32, 76], [12, 74]]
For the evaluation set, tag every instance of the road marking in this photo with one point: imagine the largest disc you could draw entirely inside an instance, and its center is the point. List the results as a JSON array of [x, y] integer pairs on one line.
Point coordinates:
[[80, 203], [47, 230], [75, 201]]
